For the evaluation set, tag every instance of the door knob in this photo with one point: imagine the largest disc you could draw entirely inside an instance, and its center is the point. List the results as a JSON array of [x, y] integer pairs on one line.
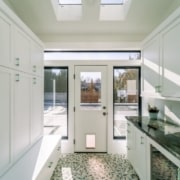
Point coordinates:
[[104, 113], [104, 107]]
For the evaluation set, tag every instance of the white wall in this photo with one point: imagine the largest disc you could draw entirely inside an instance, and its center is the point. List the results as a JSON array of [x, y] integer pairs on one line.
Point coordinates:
[[90, 45], [114, 146]]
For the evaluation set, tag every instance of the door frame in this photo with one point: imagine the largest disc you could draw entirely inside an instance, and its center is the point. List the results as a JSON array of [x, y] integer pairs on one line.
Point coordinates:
[[113, 145]]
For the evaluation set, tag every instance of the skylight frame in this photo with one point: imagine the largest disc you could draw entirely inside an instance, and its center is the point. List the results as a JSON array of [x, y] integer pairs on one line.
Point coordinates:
[[112, 2], [70, 2]]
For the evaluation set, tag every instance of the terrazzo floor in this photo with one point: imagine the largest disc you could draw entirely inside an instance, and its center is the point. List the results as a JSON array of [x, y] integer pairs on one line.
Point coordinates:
[[94, 166]]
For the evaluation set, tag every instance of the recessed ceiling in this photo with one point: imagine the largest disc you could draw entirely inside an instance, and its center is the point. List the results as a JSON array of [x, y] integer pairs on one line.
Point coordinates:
[[143, 16]]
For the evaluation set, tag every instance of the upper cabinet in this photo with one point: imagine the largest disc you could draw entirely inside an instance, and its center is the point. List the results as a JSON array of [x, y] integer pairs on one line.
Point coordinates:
[[21, 97], [5, 37], [151, 66], [36, 59], [171, 59], [21, 51], [161, 56]]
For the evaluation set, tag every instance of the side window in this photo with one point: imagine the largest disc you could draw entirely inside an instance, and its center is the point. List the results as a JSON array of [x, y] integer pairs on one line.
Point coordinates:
[[126, 97], [56, 101]]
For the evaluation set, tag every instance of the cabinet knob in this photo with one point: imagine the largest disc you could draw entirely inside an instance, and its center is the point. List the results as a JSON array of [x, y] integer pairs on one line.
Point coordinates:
[[50, 164], [59, 148]]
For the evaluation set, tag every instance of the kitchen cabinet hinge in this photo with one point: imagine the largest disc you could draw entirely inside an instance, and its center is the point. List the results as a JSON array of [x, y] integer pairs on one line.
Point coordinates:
[[74, 76], [74, 108], [74, 141]]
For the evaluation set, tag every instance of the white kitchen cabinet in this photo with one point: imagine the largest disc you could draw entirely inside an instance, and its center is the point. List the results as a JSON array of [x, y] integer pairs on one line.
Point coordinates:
[[38, 162], [140, 164], [36, 59], [21, 113], [21, 49], [171, 57], [52, 149], [21, 92], [151, 67], [136, 150], [130, 142], [5, 39], [5, 120], [36, 108]]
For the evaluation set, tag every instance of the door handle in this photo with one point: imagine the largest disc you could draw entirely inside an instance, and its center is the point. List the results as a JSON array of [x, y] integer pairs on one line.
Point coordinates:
[[104, 113]]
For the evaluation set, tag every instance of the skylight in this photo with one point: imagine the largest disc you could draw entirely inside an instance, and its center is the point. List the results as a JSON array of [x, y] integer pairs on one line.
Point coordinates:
[[112, 2], [70, 2]]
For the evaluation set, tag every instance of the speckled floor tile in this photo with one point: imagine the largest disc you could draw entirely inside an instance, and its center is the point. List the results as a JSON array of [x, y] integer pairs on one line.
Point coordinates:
[[94, 166]]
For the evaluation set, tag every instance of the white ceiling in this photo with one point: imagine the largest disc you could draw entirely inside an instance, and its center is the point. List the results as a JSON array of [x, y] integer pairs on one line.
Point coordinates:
[[142, 18]]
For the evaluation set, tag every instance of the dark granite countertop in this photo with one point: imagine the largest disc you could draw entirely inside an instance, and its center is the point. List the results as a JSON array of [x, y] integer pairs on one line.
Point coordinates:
[[165, 134]]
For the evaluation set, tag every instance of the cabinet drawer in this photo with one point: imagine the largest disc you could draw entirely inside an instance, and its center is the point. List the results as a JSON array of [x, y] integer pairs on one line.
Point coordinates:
[[50, 165]]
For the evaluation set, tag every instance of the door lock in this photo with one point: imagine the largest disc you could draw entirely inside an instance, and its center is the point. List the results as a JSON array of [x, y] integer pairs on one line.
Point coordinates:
[[104, 113]]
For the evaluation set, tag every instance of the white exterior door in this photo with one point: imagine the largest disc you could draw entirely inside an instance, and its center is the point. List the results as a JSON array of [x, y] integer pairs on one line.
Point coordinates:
[[90, 109]]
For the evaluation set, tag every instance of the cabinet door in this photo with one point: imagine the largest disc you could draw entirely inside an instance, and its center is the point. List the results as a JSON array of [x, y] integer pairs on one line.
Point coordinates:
[[5, 120], [21, 51], [36, 108], [130, 142], [151, 66], [171, 58], [21, 121], [140, 163], [36, 59], [5, 41]]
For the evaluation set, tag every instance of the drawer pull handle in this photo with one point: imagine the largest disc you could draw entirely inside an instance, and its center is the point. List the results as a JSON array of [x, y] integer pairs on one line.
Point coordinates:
[[17, 77], [17, 60], [50, 164], [34, 80], [142, 140], [34, 68]]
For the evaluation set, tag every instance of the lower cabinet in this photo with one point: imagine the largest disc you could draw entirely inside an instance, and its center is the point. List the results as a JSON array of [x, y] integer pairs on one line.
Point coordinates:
[[36, 108], [48, 157], [130, 142], [136, 150], [5, 120], [140, 154], [39, 162], [21, 107], [21, 111]]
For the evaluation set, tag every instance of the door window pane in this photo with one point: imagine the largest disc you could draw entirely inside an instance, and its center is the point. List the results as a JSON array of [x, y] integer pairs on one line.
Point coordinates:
[[56, 101], [126, 97], [90, 90]]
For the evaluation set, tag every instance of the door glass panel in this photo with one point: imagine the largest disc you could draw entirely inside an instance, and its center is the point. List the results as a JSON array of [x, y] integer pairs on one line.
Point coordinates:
[[56, 101], [90, 90], [126, 97]]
